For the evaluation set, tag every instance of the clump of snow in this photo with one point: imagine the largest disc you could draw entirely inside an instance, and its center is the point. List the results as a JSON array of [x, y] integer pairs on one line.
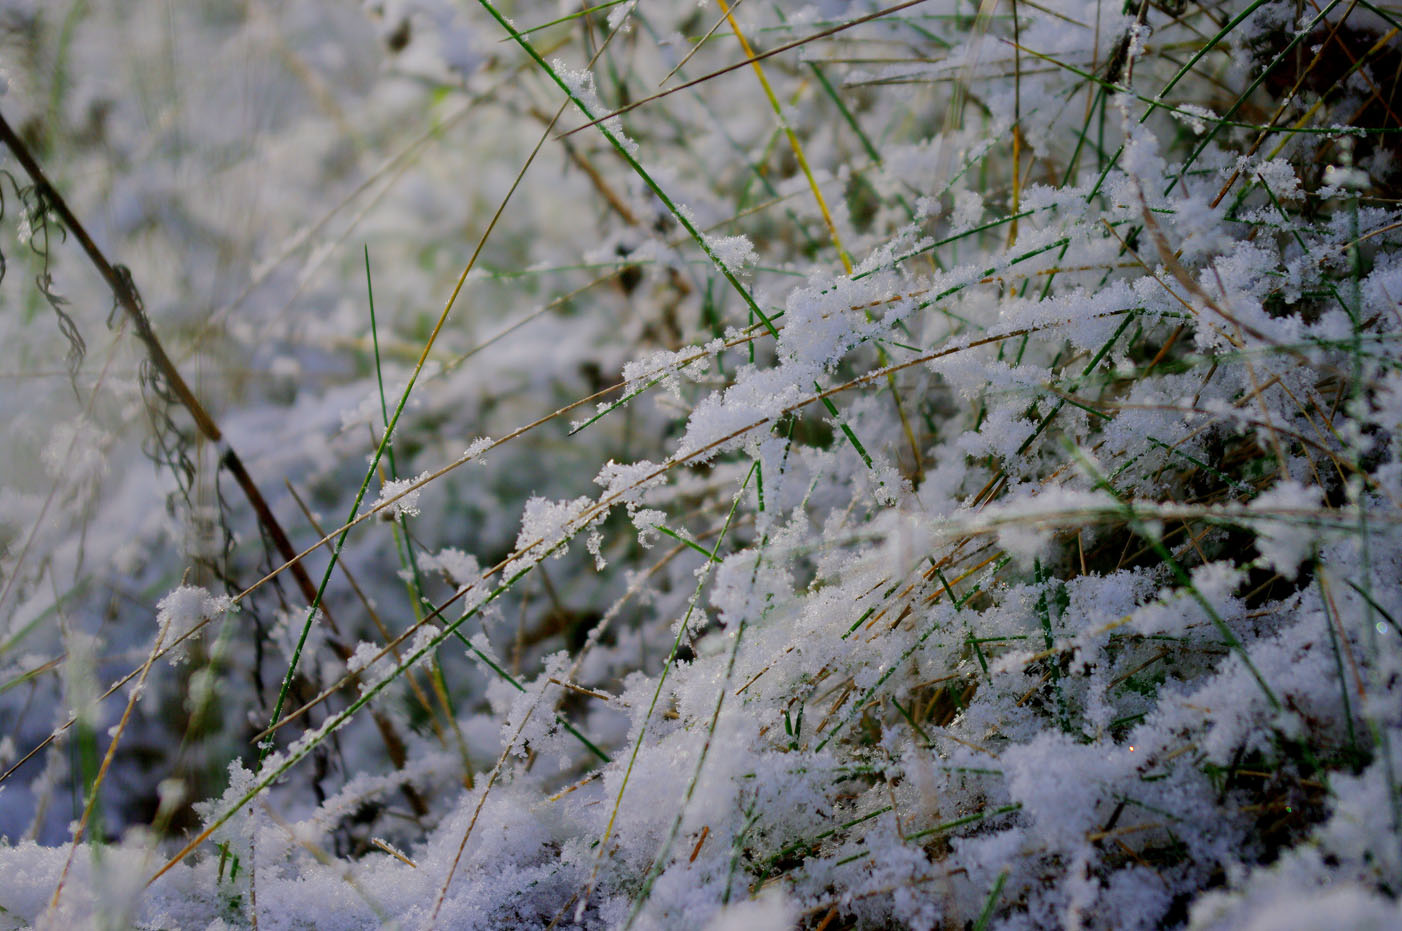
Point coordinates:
[[477, 449], [1284, 538], [183, 613], [401, 496], [734, 252]]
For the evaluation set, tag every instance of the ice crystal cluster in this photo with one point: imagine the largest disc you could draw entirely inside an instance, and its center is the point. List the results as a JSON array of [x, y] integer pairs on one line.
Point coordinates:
[[946, 465]]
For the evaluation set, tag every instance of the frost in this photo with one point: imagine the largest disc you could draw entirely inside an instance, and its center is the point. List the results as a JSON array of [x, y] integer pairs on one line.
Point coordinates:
[[1279, 176], [461, 569], [594, 543], [1039, 570], [1138, 36], [582, 88], [477, 449], [401, 496], [365, 654], [968, 210], [1197, 118], [182, 613], [1285, 538], [734, 252], [545, 525], [629, 483], [647, 520]]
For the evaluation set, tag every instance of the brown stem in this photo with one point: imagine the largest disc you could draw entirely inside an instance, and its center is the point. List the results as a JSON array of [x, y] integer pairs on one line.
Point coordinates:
[[119, 281]]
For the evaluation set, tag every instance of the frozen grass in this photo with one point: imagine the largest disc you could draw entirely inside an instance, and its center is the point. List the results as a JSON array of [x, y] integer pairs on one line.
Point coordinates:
[[736, 466]]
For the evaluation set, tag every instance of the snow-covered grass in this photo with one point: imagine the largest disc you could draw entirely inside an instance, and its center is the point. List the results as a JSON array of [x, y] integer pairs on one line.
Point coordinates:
[[676, 466]]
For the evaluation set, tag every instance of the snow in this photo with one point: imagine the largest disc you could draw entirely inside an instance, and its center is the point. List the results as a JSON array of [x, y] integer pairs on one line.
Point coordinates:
[[401, 496], [1037, 573]]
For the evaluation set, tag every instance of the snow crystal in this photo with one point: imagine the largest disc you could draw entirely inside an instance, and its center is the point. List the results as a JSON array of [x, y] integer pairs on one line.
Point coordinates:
[[476, 449], [1284, 539], [185, 610], [401, 496], [581, 85], [1195, 117], [734, 252], [968, 211]]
